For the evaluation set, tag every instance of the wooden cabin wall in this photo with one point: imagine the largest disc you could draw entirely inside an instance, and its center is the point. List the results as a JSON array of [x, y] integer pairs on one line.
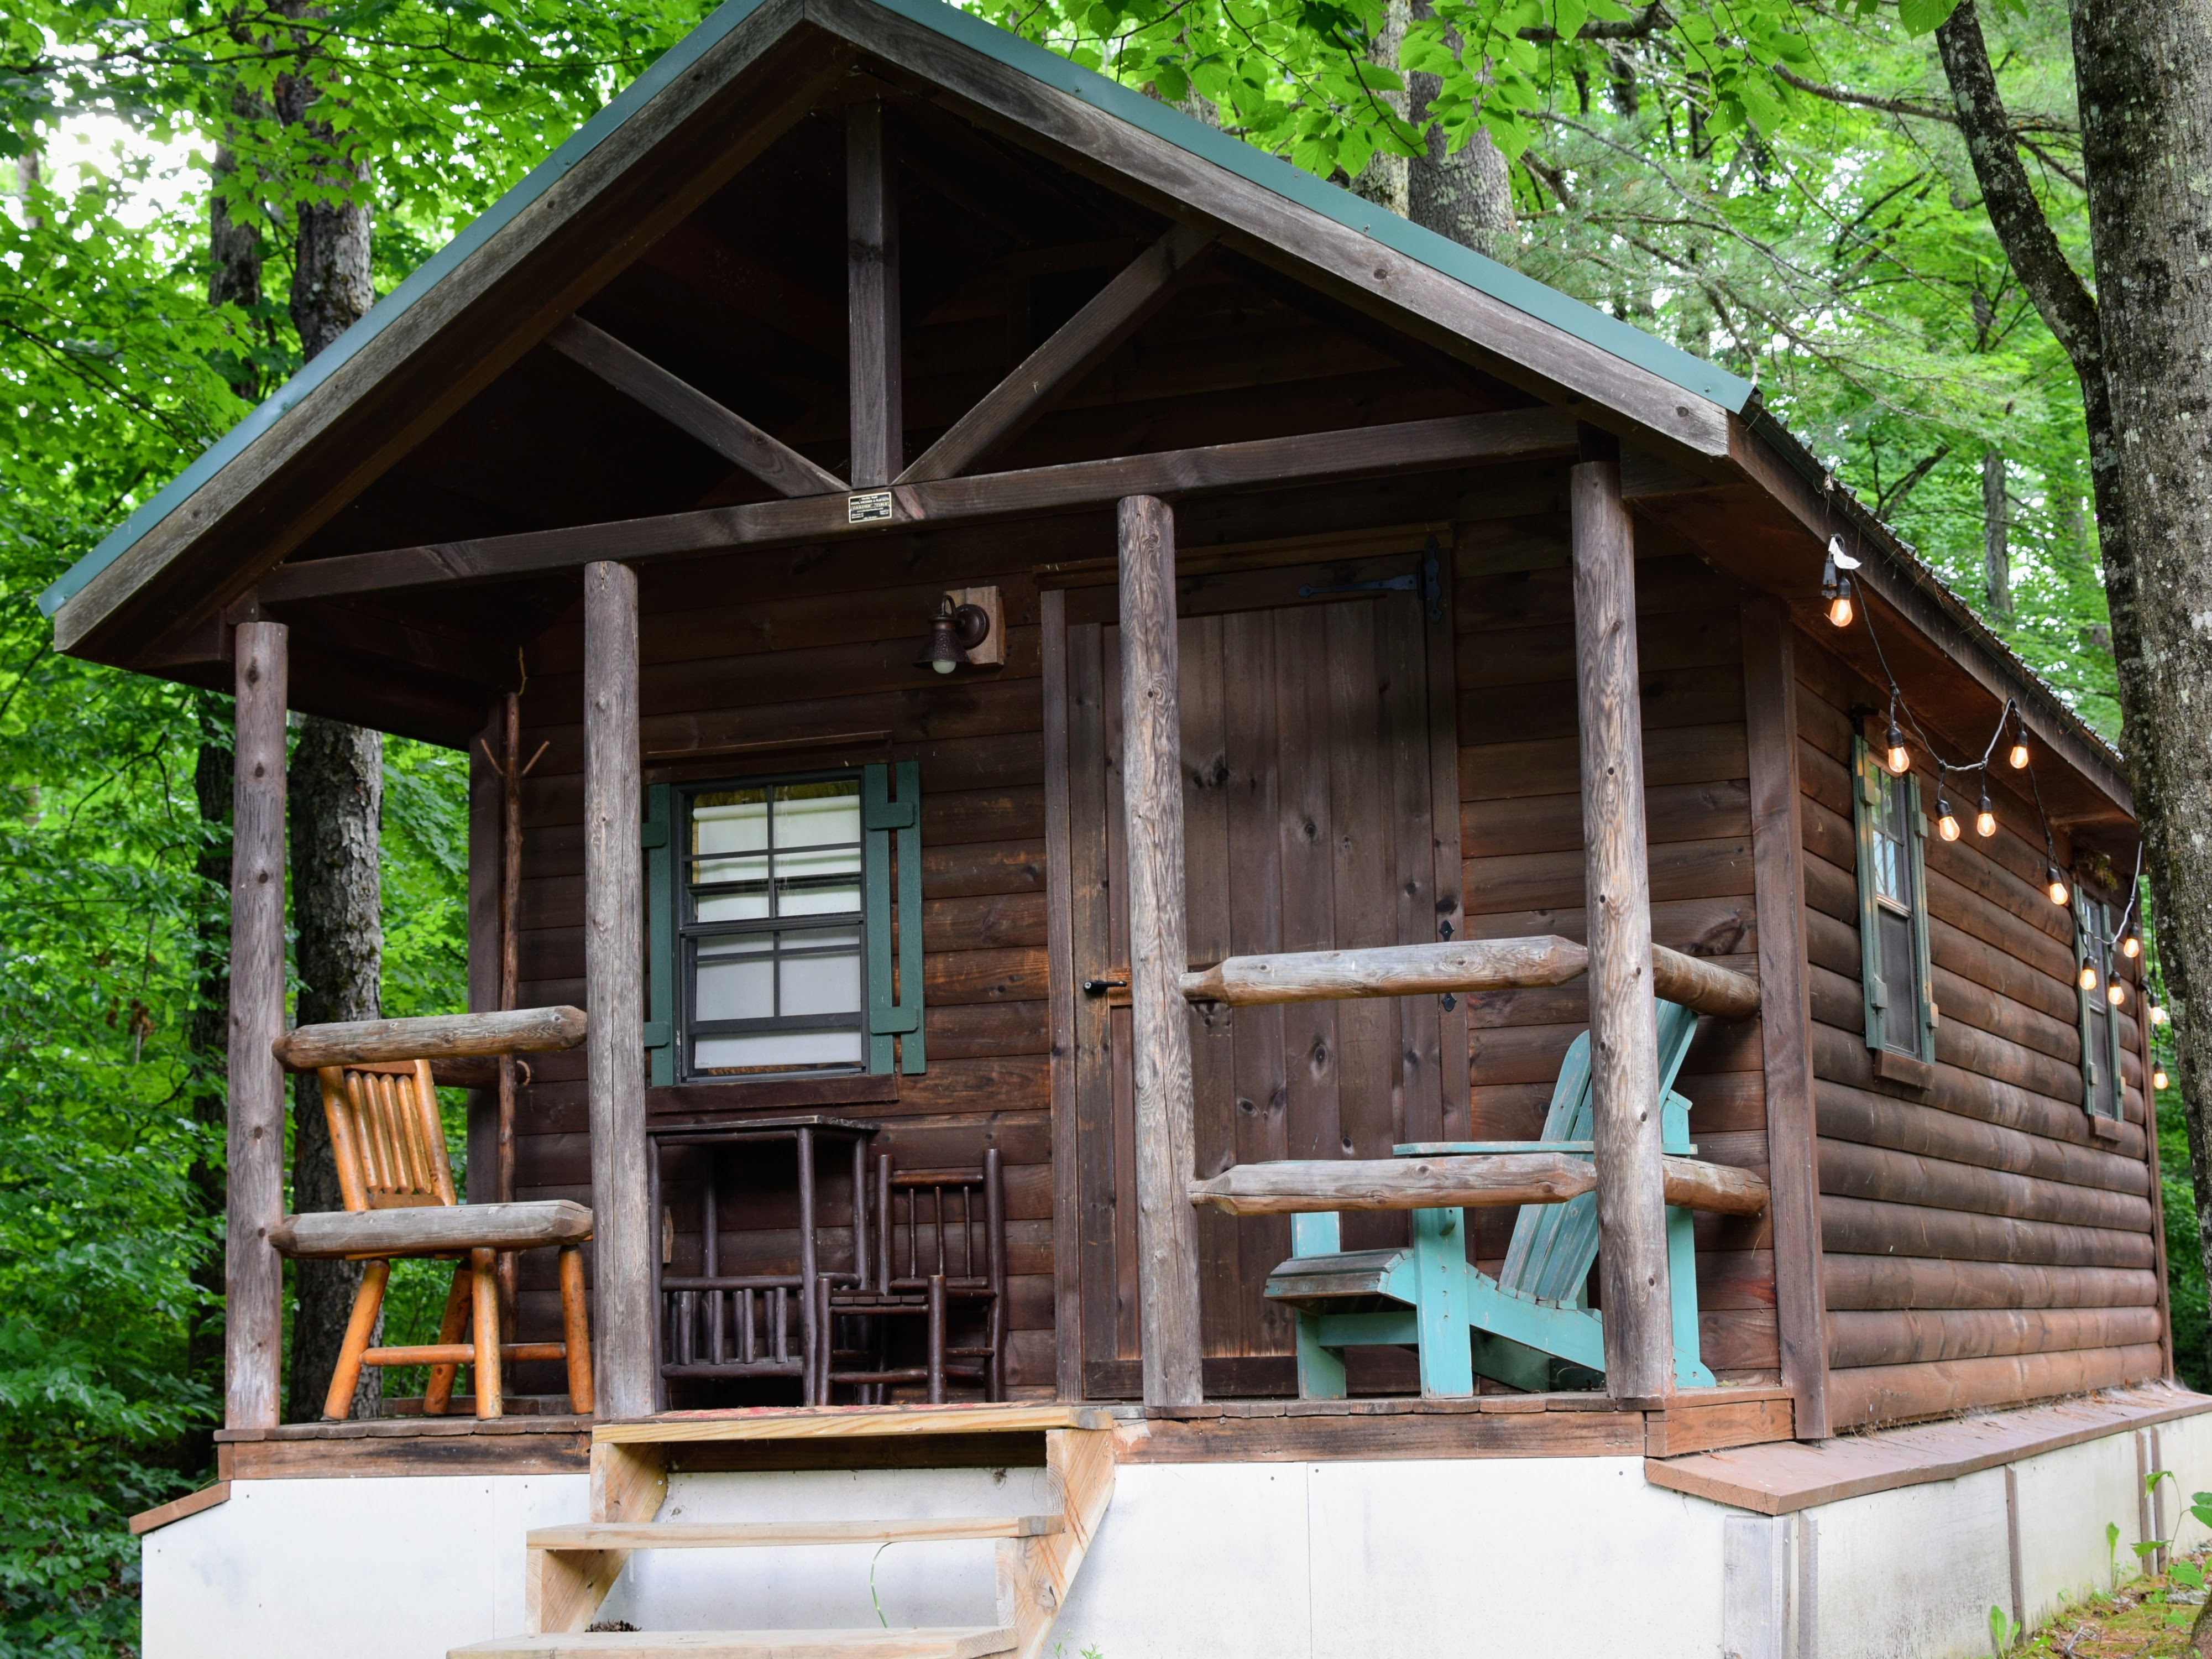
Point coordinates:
[[1981, 1244], [1521, 834], [817, 646]]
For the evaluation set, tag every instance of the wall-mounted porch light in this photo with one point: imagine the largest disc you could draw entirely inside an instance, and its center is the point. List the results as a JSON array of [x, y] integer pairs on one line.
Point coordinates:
[[968, 631]]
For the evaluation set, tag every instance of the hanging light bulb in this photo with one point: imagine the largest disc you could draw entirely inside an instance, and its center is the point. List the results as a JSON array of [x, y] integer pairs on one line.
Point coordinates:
[[2088, 977], [2131, 947], [2157, 1012], [1900, 758], [1945, 824], [2116, 993], [1986, 821], [2054, 884], [2158, 1078], [2016, 757], [1835, 585]]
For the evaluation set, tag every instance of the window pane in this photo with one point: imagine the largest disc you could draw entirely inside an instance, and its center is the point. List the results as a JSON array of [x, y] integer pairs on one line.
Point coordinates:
[[731, 821], [817, 814], [1890, 880], [1900, 972], [819, 881], [775, 1051], [735, 978], [821, 973]]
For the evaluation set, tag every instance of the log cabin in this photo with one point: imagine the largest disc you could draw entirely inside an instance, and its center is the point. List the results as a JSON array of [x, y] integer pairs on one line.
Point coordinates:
[[1012, 645]]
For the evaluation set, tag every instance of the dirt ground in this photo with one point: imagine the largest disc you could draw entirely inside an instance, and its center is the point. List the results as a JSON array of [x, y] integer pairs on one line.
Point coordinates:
[[2138, 1622]]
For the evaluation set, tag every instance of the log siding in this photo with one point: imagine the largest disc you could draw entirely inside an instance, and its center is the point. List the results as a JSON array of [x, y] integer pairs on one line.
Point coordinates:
[[1983, 1243]]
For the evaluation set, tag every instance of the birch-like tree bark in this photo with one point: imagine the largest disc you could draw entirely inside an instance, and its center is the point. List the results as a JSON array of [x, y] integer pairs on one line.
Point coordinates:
[[1997, 534], [1466, 196]]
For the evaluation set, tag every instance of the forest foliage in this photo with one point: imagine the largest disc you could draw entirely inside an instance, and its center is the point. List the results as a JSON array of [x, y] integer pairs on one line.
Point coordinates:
[[1773, 185]]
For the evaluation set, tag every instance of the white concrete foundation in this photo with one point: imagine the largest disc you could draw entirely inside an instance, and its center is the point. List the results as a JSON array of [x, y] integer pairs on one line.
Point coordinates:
[[1325, 1560]]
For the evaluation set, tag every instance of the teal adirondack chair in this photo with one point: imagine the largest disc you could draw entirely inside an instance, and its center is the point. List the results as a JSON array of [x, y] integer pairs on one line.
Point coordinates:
[[1426, 1295]]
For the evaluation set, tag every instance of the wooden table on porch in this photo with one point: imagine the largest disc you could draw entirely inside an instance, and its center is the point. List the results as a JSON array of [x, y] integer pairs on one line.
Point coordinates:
[[713, 1358]]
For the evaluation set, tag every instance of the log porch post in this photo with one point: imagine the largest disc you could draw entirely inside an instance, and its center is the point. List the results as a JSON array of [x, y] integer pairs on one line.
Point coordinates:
[[614, 984], [1639, 1338], [253, 1275], [1151, 796]]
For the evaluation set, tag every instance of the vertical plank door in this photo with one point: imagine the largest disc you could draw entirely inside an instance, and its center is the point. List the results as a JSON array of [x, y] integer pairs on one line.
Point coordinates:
[[1310, 822]]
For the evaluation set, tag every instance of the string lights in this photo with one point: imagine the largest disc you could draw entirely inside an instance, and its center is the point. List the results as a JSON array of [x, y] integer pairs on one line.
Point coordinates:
[[1840, 600]]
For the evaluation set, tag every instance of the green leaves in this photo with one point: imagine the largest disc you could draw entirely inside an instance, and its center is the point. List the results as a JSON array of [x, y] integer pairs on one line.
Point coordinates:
[[1925, 17]]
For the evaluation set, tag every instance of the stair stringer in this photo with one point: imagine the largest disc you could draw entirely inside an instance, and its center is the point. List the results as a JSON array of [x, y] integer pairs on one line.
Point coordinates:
[[1034, 1574], [563, 1588]]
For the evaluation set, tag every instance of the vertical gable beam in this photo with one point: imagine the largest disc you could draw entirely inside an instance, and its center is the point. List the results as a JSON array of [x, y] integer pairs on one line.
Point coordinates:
[[872, 292]]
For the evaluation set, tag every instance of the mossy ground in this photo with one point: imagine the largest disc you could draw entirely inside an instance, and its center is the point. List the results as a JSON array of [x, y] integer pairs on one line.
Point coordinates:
[[2135, 1622]]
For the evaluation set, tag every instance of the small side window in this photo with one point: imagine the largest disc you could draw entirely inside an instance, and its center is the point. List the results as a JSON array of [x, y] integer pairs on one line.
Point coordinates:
[[1894, 973], [2093, 921], [785, 923]]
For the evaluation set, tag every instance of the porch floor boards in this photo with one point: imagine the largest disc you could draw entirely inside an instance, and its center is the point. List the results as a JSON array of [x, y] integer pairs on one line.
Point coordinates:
[[1232, 1430]]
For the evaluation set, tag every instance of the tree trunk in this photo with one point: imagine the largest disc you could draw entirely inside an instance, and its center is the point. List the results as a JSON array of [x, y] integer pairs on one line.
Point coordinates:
[[207, 1042], [1468, 196], [1383, 183], [331, 286], [2144, 77], [337, 798], [337, 779], [1997, 534]]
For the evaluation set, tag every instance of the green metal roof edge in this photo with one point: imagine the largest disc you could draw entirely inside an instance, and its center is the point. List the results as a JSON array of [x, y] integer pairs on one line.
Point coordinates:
[[1523, 293]]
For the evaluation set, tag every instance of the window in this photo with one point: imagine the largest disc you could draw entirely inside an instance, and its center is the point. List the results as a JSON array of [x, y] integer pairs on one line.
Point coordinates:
[[1900, 1003], [785, 923], [2093, 921]]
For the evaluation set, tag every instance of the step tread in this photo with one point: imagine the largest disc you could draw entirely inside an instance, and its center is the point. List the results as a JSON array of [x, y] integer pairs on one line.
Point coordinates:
[[839, 1422], [741, 1535], [972, 1641]]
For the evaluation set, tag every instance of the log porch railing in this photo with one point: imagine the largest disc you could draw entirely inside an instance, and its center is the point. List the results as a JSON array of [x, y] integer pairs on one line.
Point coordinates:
[[1633, 1182]]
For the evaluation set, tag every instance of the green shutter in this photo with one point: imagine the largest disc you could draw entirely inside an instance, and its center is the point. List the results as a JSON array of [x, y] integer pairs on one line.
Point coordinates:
[[1924, 962], [1866, 795], [891, 880], [659, 839]]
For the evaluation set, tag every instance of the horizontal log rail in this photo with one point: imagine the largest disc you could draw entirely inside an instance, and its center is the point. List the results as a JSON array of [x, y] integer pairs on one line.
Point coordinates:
[[1464, 965], [441, 1036], [1492, 1180]]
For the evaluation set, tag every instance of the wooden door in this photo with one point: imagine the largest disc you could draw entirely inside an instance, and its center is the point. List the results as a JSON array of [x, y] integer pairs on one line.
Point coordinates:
[[1321, 811]]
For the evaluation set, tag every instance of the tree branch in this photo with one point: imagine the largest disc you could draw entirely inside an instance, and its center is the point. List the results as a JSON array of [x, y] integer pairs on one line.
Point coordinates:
[[1895, 495], [2029, 243], [1915, 109]]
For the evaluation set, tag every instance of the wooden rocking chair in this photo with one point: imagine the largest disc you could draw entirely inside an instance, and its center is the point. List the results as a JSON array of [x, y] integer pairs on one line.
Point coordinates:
[[389, 1143], [1427, 1296]]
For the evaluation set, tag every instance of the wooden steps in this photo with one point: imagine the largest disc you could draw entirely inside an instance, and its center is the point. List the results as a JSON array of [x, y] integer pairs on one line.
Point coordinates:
[[757, 1534], [956, 1644], [570, 1569]]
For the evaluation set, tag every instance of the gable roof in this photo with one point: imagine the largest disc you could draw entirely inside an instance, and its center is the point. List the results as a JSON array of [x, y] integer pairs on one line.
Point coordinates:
[[1539, 302]]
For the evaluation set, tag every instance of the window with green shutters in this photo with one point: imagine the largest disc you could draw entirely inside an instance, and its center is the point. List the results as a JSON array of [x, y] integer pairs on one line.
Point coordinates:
[[784, 925], [2101, 1032], [1895, 974]]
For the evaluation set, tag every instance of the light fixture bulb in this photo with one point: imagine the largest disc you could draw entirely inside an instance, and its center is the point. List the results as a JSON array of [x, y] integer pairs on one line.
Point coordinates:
[[2116, 993], [2055, 884], [1839, 608], [1946, 825], [2130, 947], [1900, 758], [1986, 822], [2158, 1078], [2088, 977], [944, 667], [2017, 754], [2158, 1013]]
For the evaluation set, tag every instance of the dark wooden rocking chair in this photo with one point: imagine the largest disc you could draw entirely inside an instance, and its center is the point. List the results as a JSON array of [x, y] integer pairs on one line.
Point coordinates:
[[934, 1254], [389, 1143]]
